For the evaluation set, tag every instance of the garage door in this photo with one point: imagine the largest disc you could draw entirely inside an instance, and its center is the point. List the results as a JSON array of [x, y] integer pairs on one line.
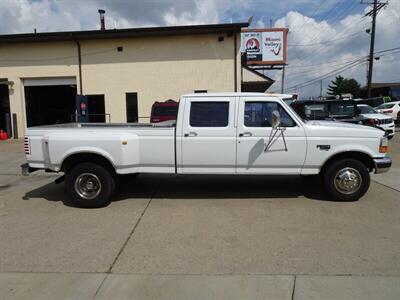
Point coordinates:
[[49, 100]]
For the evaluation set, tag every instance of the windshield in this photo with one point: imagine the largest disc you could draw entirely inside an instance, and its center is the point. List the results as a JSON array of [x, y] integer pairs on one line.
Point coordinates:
[[341, 109], [288, 100], [295, 112], [385, 106], [366, 109]]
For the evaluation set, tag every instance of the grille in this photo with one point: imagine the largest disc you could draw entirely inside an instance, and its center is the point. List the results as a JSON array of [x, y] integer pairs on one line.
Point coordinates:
[[27, 146], [386, 121]]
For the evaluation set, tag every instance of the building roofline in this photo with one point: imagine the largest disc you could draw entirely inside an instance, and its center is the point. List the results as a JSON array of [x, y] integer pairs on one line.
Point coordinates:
[[381, 85], [122, 33]]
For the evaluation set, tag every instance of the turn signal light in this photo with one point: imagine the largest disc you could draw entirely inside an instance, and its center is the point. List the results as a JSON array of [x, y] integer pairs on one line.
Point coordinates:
[[383, 147]]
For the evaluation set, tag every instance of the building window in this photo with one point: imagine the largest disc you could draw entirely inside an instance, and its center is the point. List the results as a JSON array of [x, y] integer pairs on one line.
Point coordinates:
[[209, 114], [132, 108], [200, 91]]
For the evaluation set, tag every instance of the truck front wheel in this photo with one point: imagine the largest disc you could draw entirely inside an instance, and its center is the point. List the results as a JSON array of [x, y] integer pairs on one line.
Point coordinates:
[[346, 180], [89, 185]]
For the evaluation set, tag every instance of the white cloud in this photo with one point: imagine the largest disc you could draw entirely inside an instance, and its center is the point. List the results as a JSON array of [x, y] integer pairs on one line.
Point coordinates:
[[344, 41], [205, 13]]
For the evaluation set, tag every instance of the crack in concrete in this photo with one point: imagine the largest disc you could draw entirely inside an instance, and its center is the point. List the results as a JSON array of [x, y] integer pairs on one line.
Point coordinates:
[[99, 287], [388, 186], [294, 286], [132, 231]]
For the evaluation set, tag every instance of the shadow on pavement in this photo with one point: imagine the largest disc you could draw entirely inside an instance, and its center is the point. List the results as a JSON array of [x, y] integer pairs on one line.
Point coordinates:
[[200, 187]]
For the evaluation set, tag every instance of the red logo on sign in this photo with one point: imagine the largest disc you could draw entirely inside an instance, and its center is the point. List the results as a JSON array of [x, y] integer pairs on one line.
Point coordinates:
[[252, 44]]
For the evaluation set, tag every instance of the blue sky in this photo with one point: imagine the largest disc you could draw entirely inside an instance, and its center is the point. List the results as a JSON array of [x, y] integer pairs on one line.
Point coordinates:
[[324, 35]]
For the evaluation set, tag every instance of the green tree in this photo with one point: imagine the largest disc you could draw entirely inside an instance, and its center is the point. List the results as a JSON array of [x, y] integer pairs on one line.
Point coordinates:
[[343, 85]]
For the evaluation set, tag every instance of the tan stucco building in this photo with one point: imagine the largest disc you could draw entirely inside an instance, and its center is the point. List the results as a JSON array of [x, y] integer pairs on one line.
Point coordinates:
[[41, 73]]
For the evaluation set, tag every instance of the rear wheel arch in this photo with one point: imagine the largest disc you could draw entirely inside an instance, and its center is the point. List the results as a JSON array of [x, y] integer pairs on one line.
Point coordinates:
[[74, 159]]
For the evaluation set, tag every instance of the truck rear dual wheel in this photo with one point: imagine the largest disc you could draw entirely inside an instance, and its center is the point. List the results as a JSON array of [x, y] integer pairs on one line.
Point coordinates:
[[346, 180], [90, 185]]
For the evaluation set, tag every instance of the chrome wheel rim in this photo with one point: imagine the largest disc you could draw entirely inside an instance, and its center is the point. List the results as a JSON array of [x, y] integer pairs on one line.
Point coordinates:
[[348, 181], [88, 186]]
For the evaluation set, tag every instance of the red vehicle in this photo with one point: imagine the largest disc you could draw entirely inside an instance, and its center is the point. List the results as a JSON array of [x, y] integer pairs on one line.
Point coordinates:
[[164, 111]]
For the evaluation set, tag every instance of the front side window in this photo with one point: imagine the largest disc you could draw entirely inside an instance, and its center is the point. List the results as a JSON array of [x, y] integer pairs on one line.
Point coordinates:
[[259, 114], [209, 114]]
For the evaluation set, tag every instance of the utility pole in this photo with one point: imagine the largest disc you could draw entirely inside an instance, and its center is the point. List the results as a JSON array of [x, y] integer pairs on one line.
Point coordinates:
[[283, 80], [320, 90], [376, 6]]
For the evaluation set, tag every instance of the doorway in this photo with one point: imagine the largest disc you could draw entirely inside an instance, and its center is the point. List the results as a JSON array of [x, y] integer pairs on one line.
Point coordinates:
[[96, 109], [5, 117], [132, 108], [52, 104]]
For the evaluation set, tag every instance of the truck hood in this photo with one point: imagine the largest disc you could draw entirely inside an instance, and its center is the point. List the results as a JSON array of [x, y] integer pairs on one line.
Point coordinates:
[[341, 129], [376, 116]]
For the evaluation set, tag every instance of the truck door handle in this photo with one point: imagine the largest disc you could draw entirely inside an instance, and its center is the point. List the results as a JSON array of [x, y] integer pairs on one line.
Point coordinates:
[[245, 134], [192, 133]]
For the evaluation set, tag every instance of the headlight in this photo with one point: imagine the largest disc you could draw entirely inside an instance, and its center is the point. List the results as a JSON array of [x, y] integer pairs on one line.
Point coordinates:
[[373, 121], [383, 147]]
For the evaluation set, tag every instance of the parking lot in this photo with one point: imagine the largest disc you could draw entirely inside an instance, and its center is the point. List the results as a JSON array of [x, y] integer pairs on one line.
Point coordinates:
[[198, 238]]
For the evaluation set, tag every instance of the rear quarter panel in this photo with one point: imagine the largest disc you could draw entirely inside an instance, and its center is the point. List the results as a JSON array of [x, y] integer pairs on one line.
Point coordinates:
[[129, 151]]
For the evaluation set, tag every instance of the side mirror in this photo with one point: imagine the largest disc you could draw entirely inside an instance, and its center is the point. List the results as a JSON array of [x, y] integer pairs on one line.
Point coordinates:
[[276, 119]]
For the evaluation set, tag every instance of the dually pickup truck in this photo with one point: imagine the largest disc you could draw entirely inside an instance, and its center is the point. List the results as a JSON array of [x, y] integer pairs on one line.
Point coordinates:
[[224, 133]]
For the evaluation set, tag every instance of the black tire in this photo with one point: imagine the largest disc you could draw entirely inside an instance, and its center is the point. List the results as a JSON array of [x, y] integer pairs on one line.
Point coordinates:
[[390, 137], [84, 172], [346, 166]]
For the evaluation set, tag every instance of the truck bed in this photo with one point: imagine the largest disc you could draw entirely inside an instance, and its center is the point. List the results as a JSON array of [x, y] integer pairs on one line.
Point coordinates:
[[166, 124], [130, 147]]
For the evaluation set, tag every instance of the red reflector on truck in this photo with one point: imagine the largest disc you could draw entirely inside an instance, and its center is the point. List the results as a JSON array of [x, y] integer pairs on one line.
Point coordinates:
[[27, 146]]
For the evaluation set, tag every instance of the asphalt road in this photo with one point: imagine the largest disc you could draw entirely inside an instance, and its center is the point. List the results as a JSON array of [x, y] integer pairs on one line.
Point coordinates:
[[198, 237]]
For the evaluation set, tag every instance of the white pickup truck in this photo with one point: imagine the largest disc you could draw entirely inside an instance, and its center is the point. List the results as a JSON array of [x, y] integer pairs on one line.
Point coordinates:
[[223, 133]]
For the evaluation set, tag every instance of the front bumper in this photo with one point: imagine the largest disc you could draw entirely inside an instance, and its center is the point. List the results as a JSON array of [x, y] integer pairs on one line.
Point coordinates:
[[382, 164]]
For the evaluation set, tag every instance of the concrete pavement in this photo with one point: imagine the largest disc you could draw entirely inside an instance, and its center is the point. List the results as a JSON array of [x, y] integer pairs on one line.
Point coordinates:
[[88, 286]]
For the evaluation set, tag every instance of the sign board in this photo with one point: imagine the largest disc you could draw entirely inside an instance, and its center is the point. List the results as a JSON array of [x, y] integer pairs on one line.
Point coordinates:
[[265, 46]]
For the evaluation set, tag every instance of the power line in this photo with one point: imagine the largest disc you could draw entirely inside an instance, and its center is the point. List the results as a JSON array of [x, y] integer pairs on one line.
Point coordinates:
[[319, 64], [329, 74], [314, 69], [325, 42]]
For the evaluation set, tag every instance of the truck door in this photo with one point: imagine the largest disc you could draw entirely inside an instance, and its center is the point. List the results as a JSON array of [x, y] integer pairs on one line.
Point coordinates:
[[208, 136], [257, 150]]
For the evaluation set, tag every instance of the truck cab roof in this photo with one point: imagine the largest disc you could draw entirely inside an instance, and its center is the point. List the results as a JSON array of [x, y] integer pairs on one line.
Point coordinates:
[[231, 94]]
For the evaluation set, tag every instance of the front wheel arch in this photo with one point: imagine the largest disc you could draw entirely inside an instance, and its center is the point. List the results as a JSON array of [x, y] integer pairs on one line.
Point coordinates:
[[364, 158]]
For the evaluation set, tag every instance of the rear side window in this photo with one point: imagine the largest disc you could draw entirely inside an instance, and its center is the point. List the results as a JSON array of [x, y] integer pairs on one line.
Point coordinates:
[[209, 114], [259, 114]]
